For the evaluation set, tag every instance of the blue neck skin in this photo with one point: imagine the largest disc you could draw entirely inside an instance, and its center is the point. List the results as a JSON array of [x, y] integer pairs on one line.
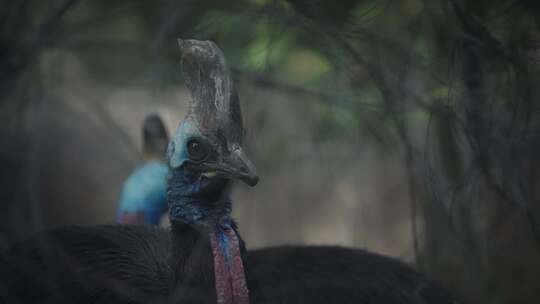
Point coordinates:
[[201, 203], [196, 200]]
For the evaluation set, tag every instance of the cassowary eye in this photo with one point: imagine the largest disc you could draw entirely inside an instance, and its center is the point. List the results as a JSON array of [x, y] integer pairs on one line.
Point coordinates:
[[197, 150]]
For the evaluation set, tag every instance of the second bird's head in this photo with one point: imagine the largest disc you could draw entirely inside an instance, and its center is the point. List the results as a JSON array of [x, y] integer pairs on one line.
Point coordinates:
[[207, 150]]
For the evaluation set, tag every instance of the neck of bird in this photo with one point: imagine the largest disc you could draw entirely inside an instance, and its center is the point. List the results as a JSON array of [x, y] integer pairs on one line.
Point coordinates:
[[207, 250]]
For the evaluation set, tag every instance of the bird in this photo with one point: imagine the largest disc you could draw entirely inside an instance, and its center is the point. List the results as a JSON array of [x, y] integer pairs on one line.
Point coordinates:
[[202, 258], [143, 198]]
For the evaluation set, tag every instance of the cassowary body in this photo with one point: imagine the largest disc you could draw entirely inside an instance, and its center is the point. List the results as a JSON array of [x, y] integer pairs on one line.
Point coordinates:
[[202, 259], [138, 264], [143, 199]]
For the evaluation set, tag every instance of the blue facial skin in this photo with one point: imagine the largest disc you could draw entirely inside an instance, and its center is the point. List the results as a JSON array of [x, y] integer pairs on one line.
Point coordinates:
[[192, 197], [195, 199], [177, 151]]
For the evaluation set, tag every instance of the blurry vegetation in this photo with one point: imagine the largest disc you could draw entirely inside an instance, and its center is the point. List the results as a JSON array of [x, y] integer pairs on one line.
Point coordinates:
[[452, 85]]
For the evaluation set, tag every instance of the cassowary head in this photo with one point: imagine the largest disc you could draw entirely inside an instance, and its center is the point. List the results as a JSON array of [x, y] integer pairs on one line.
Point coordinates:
[[207, 150], [155, 137]]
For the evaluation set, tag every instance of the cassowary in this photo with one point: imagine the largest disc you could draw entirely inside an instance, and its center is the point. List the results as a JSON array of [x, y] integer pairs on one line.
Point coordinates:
[[143, 199], [202, 259]]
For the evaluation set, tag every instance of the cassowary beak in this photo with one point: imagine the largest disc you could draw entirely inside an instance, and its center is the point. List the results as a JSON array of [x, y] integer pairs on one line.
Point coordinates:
[[234, 166], [239, 166]]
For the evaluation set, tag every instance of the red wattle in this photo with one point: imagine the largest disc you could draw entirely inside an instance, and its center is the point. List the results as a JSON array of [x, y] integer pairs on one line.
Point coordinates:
[[231, 286]]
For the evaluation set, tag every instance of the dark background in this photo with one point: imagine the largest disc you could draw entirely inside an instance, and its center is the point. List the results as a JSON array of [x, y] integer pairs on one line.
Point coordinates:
[[410, 127]]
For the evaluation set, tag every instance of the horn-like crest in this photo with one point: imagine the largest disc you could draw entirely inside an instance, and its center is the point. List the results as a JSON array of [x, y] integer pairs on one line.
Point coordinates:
[[214, 105]]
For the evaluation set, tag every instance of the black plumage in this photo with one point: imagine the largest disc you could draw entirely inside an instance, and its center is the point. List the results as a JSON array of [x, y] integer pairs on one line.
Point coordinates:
[[202, 258], [134, 264]]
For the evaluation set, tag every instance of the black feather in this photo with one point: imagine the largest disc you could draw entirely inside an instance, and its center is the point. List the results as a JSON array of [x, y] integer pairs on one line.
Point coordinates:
[[133, 264]]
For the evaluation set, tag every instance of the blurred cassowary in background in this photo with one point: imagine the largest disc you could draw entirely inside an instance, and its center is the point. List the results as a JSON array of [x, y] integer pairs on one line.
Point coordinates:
[[143, 197]]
